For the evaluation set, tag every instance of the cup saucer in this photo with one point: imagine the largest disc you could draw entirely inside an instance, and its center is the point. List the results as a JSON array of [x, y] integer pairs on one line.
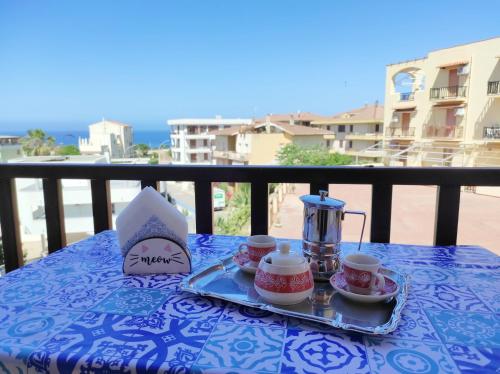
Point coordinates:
[[339, 283], [242, 260]]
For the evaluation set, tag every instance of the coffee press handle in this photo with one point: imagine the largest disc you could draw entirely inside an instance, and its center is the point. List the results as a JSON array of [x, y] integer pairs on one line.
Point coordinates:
[[359, 212]]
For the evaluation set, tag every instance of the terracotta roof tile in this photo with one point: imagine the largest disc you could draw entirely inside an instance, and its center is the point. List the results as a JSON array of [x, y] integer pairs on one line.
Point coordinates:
[[368, 113]]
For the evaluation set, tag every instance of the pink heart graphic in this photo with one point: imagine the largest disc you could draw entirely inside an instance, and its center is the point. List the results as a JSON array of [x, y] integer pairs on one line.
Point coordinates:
[[144, 248], [168, 248]]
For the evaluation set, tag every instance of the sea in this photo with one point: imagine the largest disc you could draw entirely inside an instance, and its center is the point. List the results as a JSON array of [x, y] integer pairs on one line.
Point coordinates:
[[153, 138]]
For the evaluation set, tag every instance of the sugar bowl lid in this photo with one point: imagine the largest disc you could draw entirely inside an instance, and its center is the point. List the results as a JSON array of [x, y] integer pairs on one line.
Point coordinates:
[[283, 257], [322, 201]]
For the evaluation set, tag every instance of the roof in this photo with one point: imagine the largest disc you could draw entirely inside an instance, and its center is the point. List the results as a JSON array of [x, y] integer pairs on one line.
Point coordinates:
[[9, 137], [75, 159], [294, 130], [299, 116], [217, 121], [298, 129], [230, 131], [373, 113], [104, 121], [441, 49]]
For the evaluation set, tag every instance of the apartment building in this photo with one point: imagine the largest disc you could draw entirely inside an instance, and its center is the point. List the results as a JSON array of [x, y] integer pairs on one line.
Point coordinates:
[[10, 147], [259, 143], [358, 132], [192, 141], [444, 109], [108, 136]]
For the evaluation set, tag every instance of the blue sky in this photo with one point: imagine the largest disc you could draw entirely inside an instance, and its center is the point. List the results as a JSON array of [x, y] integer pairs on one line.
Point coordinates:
[[66, 64]]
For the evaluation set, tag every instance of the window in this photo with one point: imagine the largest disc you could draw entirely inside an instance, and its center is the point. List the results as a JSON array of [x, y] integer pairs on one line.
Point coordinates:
[[327, 144], [205, 142], [193, 157], [350, 143], [205, 156], [342, 128], [341, 144], [351, 128], [377, 127], [192, 143]]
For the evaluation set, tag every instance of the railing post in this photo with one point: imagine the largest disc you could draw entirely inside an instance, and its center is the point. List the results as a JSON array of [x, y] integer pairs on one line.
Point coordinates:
[[101, 205], [447, 210], [259, 202], [380, 231], [203, 206], [9, 222], [54, 214]]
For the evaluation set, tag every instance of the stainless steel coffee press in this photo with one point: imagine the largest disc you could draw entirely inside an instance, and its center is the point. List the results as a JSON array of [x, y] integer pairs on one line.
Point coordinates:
[[322, 232]]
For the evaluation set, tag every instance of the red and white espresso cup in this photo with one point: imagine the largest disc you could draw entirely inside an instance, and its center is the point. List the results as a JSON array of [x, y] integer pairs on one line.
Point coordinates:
[[361, 273], [258, 246]]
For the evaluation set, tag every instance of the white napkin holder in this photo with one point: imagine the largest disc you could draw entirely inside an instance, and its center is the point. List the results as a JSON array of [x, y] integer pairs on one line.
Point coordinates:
[[152, 235]]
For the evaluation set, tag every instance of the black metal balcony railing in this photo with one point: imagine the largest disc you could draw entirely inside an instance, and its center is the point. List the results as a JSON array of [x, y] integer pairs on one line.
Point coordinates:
[[399, 131], [448, 180], [450, 92], [407, 96], [491, 132], [494, 88]]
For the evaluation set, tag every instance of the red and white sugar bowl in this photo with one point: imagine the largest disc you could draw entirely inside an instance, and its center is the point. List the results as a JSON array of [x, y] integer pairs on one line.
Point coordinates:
[[283, 277]]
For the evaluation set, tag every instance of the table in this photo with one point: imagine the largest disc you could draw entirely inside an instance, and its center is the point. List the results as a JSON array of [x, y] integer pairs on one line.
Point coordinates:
[[75, 311]]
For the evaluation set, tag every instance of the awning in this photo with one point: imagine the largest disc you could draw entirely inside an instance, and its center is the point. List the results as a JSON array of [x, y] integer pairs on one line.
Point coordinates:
[[409, 109], [453, 64], [449, 105]]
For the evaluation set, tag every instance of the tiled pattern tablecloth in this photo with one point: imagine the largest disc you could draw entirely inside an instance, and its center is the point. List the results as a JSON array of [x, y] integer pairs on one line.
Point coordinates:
[[74, 311]]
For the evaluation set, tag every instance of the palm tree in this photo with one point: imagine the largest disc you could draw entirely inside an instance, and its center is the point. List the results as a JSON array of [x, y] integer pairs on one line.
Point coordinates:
[[37, 143]]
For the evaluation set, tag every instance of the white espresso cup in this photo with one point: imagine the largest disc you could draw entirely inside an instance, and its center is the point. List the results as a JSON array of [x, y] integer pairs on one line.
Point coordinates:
[[361, 273], [258, 246]]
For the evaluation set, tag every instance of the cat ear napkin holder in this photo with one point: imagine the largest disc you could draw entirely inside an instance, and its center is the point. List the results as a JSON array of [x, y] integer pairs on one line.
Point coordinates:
[[152, 235]]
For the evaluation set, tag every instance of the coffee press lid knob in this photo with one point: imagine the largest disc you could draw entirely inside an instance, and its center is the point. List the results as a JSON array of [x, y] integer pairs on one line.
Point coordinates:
[[284, 248]]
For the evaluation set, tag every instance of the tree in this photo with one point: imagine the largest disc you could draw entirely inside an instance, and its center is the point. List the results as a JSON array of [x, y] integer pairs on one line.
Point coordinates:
[[67, 150], [293, 154], [37, 143], [141, 149], [239, 215]]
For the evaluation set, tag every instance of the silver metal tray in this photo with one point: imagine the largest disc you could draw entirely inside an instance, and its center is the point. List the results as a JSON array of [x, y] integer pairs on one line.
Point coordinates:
[[224, 280]]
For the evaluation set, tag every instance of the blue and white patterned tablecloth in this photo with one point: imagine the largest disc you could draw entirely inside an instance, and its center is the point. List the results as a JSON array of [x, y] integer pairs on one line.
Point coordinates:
[[74, 311]]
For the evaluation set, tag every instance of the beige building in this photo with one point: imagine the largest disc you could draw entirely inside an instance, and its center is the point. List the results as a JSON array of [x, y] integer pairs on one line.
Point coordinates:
[[444, 109], [10, 147], [259, 143], [113, 137], [358, 132]]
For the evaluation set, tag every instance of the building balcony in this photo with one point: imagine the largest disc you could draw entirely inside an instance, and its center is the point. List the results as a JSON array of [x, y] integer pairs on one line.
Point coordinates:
[[231, 155], [364, 136], [494, 88], [199, 150], [448, 93], [491, 133], [199, 136], [375, 153], [399, 132], [448, 180], [442, 132]]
